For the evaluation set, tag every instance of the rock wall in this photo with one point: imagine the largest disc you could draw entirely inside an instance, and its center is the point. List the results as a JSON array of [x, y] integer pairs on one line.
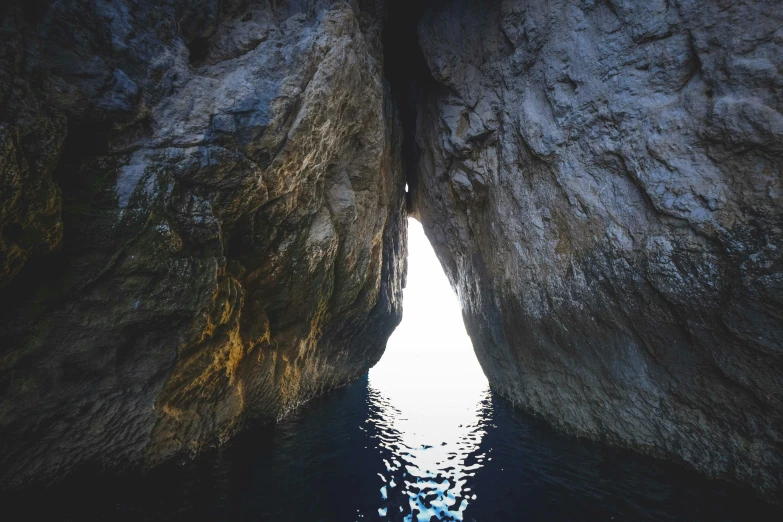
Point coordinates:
[[202, 214], [602, 183]]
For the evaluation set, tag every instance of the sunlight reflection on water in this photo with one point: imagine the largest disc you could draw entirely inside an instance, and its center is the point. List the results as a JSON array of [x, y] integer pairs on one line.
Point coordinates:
[[429, 399]]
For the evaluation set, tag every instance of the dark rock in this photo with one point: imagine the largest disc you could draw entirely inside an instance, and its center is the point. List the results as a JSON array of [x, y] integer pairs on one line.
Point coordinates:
[[602, 183], [229, 228]]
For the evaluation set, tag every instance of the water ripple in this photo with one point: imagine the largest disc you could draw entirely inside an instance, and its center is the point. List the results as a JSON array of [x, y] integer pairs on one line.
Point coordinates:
[[428, 463]]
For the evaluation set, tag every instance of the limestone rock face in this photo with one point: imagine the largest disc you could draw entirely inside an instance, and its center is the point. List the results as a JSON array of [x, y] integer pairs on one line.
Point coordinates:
[[202, 214], [602, 183]]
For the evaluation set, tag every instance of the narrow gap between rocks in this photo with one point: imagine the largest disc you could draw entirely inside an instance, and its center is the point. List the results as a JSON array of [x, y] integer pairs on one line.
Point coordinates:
[[409, 79]]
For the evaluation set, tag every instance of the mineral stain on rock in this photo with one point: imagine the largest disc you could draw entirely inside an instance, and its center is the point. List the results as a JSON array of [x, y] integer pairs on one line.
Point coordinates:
[[203, 216], [225, 212]]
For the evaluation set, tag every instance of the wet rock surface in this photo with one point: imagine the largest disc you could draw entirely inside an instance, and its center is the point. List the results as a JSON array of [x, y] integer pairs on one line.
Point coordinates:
[[202, 216], [602, 183]]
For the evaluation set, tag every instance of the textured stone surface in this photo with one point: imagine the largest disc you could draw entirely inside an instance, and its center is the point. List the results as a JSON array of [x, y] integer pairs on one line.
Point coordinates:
[[202, 216], [602, 183], [202, 221]]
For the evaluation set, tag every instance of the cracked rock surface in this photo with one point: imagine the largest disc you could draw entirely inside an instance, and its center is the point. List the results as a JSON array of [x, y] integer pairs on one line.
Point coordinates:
[[602, 183], [202, 216]]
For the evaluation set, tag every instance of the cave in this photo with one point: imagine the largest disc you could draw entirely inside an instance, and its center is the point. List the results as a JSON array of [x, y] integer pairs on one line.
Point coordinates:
[[204, 220]]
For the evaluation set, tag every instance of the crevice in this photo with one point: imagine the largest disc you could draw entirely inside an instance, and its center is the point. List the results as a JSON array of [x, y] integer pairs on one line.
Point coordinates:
[[410, 82], [198, 49]]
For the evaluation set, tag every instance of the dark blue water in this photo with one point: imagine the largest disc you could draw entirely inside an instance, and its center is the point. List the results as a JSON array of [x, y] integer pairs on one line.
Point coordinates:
[[336, 460]]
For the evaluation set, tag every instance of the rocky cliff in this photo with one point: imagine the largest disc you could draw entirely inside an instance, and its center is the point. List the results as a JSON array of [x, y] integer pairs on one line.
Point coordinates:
[[602, 183], [202, 216]]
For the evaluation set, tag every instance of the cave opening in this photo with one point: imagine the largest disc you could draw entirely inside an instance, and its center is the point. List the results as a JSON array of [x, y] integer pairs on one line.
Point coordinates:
[[429, 391], [432, 331], [431, 336]]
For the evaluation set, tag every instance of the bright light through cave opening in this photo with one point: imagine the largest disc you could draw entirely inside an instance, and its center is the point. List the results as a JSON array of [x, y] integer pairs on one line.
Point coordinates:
[[430, 393], [430, 347]]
